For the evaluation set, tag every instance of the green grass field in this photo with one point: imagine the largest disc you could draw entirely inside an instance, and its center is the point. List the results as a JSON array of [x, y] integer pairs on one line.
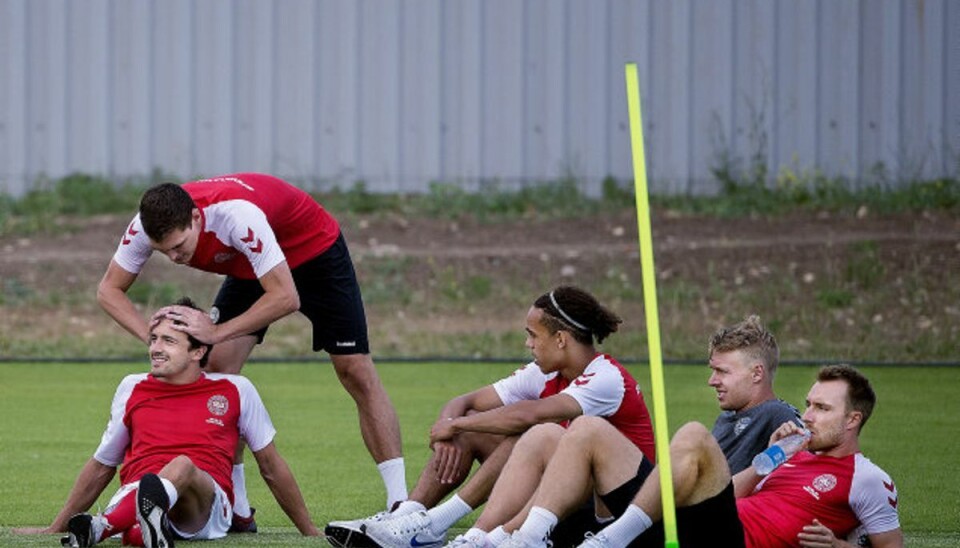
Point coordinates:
[[52, 415]]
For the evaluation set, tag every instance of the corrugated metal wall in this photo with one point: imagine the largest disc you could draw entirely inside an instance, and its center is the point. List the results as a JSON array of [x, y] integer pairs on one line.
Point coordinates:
[[403, 93]]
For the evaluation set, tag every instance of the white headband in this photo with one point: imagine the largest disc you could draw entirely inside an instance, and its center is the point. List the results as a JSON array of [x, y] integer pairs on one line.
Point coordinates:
[[568, 319]]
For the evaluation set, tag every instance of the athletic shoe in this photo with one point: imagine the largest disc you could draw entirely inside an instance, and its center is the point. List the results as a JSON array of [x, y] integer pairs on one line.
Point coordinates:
[[243, 525], [407, 531], [349, 534], [517, 540], [83, 531], [463, 542], [598, 540], [152, 505]]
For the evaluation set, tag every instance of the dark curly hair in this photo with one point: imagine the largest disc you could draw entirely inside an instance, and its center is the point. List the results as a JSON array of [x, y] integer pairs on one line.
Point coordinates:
[[572, 309]]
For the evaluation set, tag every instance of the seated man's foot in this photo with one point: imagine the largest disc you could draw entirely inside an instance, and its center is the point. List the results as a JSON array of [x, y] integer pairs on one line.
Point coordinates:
[[598, 540], [517, 540], [349, 533], [152, 506], [244, 525], [407, 531], [463, 542], [83, 530]]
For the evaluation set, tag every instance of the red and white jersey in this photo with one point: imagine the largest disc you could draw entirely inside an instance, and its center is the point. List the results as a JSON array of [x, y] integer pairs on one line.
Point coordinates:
[[839, 492], [250, 223], [605, 389], [151, 422]]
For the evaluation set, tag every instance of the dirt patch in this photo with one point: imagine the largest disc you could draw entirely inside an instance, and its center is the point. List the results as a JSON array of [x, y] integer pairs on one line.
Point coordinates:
[[832, 286]]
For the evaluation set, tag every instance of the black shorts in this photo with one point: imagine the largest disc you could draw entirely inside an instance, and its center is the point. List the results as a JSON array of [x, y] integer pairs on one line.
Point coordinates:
[[329, 297], [571, 529], [709, 524]]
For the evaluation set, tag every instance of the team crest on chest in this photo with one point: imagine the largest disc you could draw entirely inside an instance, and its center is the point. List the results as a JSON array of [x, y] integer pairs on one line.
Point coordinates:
[[218, 405], [821, 484], [825, 482], [741, 425]]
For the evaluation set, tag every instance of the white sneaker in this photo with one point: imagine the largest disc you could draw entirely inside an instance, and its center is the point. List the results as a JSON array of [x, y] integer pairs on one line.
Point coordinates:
[[349, 533], [517, 540], [407, 531], [463, 542], [598, 540]]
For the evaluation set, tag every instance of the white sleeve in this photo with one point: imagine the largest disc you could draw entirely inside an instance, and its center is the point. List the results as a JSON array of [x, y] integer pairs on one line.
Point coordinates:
[[255, 424], [873, 497], [244, 227], [134, 248], [599, 390], [116, 438], [526, 383]]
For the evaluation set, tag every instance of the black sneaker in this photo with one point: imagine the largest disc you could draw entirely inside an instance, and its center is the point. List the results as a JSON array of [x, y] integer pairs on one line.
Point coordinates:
[[81, 532], [152, 505], [244, 525]]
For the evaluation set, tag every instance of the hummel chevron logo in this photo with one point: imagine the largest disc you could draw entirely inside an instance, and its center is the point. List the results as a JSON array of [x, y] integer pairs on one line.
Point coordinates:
[[583, 379], [893, 500], [131, 232], [256, 248]]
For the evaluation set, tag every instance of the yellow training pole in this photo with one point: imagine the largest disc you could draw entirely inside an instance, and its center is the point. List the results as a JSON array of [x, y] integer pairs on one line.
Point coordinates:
[[650, 308]]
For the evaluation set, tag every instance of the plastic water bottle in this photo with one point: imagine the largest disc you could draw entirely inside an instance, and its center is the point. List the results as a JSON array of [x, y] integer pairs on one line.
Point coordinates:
[[779, 453]]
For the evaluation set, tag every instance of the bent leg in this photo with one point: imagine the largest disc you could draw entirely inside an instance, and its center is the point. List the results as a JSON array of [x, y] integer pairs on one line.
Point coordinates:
[[478, 447], [195, 494], [699, 469], [593, 456], [521, 475]]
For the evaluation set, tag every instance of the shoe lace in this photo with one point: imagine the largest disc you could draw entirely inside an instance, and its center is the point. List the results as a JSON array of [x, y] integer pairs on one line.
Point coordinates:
[[409, 523], [598, 540]]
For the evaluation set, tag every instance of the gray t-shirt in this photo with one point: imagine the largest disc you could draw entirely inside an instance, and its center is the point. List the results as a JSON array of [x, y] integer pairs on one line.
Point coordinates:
[[742, 435]]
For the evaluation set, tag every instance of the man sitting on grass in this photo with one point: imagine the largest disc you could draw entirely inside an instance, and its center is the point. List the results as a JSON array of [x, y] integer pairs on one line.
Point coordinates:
[[743, 359], [567, 378], [173, 433], [814, 499]]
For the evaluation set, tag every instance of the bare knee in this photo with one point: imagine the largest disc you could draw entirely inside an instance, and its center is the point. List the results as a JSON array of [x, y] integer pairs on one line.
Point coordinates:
[[539, 443], [586, 427], [691, 437], [357, 374], [180, 470]]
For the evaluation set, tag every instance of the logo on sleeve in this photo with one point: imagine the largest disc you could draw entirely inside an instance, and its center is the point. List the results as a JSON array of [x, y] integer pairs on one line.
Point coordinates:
[[892, 489], [131, 233], [254, 247], [583, 379]]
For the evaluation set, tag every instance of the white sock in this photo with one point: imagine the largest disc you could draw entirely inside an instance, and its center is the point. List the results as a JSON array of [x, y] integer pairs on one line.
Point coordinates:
[[443, 516], [241, 506], [395, 479], [628, 526], [171, 491], [497, 536], [476, 535], [538, 524], [408, 507]]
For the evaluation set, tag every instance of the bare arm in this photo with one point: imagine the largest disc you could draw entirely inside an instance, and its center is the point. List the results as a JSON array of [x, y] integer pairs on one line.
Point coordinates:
[[746, 481], [112, 296], [90, 483], [510, 419], [280, 298], [817, 535], [482, 399], [279, 478]]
